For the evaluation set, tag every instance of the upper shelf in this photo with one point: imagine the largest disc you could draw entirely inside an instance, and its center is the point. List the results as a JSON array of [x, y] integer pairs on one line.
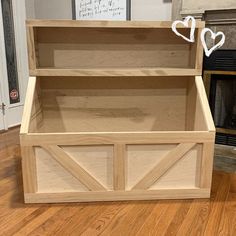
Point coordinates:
[[111, 48]]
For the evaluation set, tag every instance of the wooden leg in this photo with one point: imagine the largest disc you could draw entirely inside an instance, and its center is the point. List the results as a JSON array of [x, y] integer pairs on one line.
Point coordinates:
[[119, 164], [207, 165], [29, 169]]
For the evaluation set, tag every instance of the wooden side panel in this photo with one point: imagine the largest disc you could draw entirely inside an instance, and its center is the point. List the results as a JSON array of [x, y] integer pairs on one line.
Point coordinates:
[[168, 170], [198, 115], [207, 165], [36, 119], [29, 170], [199, 49], [31, 48], [203, 101], [25, 124]]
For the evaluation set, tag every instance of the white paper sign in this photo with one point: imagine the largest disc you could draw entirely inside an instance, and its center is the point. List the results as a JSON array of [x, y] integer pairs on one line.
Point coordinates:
[[101, 9]]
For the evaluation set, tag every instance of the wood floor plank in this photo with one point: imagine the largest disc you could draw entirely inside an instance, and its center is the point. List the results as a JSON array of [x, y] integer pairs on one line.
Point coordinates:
[[21, 222], [57, 220], [132, 220], [153, 218], [15, 217], [33, 224], [179, 217], [215, 216], [162, 225], [116, 218], [81, 219], [228, 220], [100, 223], [196, 219]]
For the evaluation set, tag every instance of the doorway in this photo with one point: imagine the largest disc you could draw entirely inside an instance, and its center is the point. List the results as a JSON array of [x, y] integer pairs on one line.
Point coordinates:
[[13, 62]]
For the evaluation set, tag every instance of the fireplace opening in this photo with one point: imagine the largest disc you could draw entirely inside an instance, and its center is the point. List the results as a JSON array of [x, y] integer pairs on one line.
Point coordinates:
[[220, 80], [223, 101]]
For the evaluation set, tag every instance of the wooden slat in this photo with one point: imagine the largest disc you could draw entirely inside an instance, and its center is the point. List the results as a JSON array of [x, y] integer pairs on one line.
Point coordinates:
[[28, 106], [119, 166], [199, 50], [116, 72], [207, 165], [204, 102], [74, 168], [93, 138], [117, 195], [190, 106], [198, 165], [108, 24], [165, 164], [29, 169], [31, 48]]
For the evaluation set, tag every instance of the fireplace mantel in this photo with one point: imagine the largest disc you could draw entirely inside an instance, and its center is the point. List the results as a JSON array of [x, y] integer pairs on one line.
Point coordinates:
[[219, 16], [201, 9]]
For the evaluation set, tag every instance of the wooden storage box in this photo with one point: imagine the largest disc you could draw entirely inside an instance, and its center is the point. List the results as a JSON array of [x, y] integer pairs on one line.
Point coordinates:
[[115, 112]]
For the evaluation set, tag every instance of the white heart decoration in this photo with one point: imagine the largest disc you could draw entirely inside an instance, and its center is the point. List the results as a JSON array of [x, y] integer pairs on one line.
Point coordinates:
[[208, 52], [185, 22]]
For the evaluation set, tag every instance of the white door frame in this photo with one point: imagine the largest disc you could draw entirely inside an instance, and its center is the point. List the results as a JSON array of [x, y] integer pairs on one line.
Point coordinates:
[[2, 111], [13, 112], [3, 76]]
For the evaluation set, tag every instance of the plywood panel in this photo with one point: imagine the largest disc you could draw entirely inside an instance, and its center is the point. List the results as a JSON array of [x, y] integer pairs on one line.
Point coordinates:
[[183, 174], [142, 158], [52, 177], [113, 56], [118, 104], [111, 48], [96, 160], [106, 113]]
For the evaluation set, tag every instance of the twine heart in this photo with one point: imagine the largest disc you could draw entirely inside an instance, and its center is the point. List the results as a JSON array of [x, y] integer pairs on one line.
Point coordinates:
[[185, 22], [208, 52]]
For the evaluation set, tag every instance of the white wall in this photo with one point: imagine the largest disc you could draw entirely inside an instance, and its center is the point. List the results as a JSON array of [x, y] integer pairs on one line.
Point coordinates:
[[53, 9], [30, 9], [151, 10], [62, 9]]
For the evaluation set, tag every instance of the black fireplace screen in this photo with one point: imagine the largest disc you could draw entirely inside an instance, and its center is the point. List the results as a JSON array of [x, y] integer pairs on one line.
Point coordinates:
[[223, 100]]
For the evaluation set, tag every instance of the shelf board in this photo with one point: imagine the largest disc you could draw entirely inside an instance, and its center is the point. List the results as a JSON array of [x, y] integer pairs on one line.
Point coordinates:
[[116, 72], [107, 24]]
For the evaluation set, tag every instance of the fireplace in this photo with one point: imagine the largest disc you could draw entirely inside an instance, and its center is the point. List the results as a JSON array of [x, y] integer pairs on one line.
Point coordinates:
[[220, 81]]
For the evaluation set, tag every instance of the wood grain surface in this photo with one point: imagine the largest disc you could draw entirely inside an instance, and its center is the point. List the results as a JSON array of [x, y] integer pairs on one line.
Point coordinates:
[[216, 216]]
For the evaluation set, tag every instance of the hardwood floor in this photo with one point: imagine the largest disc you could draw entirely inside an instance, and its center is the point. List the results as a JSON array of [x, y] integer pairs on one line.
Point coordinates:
[[216, 216]]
